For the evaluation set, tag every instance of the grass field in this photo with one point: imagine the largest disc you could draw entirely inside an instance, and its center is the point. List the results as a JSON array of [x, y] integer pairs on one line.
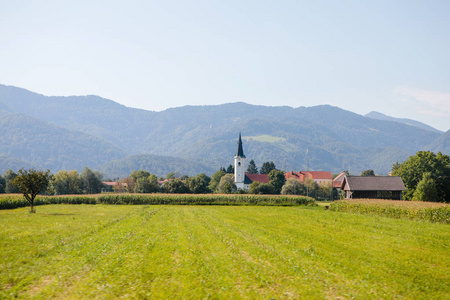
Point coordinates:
[[192, 252]]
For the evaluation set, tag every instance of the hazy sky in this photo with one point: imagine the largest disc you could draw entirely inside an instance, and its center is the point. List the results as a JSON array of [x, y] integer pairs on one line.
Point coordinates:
[[388, 56]]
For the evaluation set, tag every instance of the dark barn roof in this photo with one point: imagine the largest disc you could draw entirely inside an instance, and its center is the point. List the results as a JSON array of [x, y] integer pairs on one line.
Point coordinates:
[[373, 183]]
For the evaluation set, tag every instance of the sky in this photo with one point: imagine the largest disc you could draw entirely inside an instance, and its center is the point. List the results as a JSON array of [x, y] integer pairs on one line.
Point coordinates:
[[387, 56]]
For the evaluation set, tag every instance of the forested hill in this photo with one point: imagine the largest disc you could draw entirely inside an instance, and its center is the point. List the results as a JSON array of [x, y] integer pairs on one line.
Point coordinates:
[[380, 116], [337, 139]]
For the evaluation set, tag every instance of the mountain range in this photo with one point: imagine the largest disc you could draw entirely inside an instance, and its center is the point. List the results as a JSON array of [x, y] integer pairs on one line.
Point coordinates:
[[77, 131]]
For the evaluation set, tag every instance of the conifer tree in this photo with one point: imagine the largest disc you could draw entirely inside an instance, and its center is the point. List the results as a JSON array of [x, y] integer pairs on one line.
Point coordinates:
[[252, 169]]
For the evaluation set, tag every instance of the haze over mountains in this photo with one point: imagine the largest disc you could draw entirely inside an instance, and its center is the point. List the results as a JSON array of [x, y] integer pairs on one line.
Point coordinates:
[[78, 131]]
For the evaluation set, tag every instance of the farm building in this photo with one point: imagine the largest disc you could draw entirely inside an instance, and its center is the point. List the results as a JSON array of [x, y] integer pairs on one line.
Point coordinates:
[[374, 187]]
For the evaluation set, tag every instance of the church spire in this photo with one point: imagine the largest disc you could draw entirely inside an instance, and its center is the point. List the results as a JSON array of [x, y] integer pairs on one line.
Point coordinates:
[[240, 151]]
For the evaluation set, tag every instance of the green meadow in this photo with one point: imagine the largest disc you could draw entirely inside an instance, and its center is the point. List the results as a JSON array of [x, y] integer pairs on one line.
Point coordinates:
[[219, 252]]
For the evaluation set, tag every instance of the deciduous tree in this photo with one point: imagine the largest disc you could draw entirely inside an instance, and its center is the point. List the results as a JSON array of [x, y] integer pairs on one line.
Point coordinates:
[[198, 184], [2, 184], [257, 187], [31, 183], [91, 181], [426, 189], [213, 184], [293, 187], [368, 173], [226, 184], [277, 180], [175, 186], [9, 176], [411, 171]]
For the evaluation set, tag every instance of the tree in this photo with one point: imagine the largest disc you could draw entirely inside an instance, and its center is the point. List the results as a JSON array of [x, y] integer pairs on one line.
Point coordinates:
[[147, 184], [368, 173], [31, 183], [198, 184], [230, 169], [252, 169], [226, 184], [257, 187], [91, 181], [171, 175], [9, 176], [267, 167], [64, 182], [2, 184], [325, 190], [426, 189], [139, 174], [130, 184], [175, 186], [411, 171], [214, 183], [277, 180], [293, 187]]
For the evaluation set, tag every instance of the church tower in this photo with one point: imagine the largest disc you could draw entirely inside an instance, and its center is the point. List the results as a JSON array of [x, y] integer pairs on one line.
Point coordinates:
[[239, 165]]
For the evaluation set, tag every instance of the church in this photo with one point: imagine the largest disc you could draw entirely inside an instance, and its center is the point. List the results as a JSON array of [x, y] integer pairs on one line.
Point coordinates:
[[242, 180]]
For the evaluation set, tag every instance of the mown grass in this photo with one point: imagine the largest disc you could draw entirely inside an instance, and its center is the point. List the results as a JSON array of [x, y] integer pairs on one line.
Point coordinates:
[[220, 252], [414, 210]]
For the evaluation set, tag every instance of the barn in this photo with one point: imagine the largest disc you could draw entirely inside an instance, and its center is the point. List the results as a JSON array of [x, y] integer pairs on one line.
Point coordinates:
[[373, 187]]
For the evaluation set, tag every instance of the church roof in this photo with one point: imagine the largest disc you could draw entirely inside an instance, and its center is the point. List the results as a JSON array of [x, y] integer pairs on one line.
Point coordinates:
[[249, 178], [240, 150]]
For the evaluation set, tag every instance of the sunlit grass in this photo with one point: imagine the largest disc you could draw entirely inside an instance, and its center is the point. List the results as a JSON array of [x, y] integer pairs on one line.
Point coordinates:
[[108, 252]]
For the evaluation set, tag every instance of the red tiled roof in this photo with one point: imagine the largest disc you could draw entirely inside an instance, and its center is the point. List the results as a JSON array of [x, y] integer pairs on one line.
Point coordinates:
[[302, 175], [258, 177], [320, 174], [114, 183]]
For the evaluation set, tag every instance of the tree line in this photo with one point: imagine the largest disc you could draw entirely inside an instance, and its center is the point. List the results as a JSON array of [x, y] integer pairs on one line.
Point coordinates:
[[140, 181]]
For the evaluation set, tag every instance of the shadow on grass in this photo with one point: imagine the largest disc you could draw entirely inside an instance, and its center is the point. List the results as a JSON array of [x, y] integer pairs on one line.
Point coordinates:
[[57, 214]]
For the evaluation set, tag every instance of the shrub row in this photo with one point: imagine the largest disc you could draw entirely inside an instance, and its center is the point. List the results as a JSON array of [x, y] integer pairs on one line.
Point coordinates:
[[16, 201], [432, 214], [208, 199]]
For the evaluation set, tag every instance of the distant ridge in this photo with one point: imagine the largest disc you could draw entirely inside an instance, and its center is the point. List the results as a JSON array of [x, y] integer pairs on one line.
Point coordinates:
[[78, 131], [442, 143], [155, 164], [380, 116]]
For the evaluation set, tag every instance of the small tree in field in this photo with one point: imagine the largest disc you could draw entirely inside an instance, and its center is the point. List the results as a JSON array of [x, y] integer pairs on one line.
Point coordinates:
[[31, 183]]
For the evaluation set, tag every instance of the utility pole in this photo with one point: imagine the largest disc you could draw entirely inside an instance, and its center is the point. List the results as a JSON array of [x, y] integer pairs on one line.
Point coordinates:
[[307, 170], [295, 181]]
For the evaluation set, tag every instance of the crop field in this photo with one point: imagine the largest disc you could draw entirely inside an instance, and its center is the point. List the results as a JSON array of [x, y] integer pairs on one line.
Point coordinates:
[[220, 252], [414, 210]]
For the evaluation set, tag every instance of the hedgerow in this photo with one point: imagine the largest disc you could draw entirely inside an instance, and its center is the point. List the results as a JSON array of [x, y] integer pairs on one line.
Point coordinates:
[[433, 214], [16, 201]]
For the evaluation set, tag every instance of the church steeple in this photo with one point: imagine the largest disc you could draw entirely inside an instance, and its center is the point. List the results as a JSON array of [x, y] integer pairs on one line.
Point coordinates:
[[240, 151], [239, 165]]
